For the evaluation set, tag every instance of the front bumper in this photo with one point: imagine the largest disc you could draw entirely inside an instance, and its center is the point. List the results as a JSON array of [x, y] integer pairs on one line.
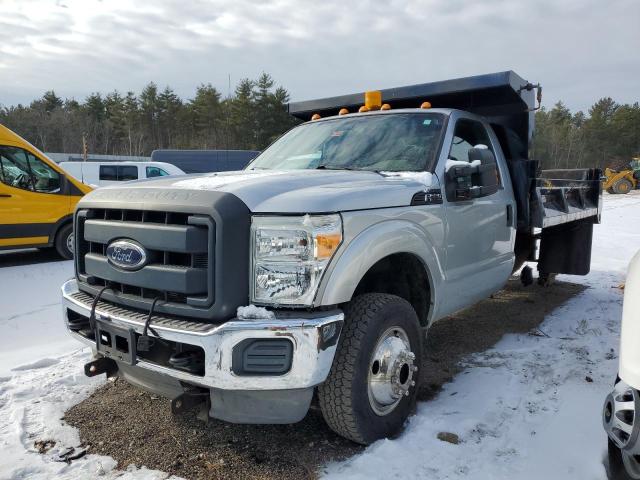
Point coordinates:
[[314, 337]]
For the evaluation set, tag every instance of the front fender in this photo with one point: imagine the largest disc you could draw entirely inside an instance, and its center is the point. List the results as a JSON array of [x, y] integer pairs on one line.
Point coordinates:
[[372, 245]]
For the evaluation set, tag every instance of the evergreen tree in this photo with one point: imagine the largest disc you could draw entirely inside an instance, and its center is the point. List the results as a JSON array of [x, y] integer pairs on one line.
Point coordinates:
[[608, 134]]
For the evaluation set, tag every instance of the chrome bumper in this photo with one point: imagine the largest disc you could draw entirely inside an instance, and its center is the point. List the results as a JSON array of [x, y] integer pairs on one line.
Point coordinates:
[[312, 356]]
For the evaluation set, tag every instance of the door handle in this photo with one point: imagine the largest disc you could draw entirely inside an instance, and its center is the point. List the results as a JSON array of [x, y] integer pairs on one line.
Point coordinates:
[[4, 195], [509, 216]]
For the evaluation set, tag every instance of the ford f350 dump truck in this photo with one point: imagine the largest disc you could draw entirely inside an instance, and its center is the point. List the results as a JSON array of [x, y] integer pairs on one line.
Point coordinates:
[[320, 266]]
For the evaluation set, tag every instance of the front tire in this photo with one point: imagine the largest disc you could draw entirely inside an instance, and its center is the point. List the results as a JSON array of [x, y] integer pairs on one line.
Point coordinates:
[[622, 186], [64, 242], [372, 386]]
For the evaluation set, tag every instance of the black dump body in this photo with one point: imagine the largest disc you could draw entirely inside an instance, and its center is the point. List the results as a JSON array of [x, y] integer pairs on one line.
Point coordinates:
[[204, 161], [564, 204]]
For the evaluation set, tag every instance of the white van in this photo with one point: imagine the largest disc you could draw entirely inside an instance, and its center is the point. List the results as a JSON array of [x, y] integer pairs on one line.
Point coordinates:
[[106, 173]]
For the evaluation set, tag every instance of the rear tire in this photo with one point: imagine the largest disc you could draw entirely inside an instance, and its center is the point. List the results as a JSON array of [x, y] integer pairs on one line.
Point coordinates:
[[622, 186], [64, 241], [364, 399], [617, 469]]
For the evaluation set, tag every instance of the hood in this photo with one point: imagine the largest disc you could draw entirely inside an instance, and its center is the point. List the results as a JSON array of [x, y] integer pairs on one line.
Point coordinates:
[[299, 191]]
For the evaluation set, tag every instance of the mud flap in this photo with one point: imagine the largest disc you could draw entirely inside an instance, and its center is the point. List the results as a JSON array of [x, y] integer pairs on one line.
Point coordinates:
[[566, 248]]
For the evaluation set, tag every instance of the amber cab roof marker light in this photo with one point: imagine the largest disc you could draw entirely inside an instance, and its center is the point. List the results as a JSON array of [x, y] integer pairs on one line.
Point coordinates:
[[385, 106], [425, 105], [373, 99], [316, 116], [343, 111], [363, 109]]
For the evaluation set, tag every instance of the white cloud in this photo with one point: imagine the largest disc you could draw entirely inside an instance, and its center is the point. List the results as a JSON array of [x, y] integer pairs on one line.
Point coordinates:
[[579, 50]]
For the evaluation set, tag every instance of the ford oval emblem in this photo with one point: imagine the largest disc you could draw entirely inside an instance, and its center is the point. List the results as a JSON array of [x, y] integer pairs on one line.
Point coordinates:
[[126, 254]]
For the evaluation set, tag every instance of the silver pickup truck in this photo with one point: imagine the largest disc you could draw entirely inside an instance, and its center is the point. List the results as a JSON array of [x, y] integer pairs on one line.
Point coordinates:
[[320, 267]]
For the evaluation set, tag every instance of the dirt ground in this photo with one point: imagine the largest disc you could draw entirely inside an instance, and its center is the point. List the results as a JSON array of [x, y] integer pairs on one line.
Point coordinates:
[[137, 428]]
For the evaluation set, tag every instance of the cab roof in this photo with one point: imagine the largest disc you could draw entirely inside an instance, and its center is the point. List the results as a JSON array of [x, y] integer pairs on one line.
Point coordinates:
[[503, 98]]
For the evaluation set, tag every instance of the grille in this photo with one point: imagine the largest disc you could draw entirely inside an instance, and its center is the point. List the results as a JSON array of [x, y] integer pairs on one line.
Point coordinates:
[[179, 247]]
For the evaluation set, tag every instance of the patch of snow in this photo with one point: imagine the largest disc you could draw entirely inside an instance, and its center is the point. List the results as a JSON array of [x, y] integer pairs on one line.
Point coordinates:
[[42, 363], [30, 314], [459, 163], [425, 178], [41, 376], [251, 312], [212, 181]]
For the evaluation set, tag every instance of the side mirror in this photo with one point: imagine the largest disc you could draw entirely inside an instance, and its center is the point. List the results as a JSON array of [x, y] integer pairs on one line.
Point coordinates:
[[478, 178]]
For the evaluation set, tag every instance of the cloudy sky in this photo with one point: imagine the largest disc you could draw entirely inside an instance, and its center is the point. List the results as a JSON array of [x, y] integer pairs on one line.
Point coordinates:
[[580, 50]]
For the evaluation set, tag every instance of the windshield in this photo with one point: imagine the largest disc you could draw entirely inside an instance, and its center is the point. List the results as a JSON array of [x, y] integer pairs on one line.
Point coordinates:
[[387, 142]]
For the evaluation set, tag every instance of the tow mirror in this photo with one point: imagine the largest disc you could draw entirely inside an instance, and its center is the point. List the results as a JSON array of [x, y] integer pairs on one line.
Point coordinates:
[[478, 178]]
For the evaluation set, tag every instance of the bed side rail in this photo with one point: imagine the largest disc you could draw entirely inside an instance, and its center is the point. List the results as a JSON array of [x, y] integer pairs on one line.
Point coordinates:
[[563, 196]]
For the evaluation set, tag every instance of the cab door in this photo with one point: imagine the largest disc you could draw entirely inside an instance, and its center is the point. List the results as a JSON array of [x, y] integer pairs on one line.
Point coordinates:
[[480, 230], [31, 198]]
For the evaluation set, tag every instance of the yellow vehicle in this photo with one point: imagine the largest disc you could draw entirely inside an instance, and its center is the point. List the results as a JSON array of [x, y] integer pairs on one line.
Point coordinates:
[[37, 198], [620, 181]]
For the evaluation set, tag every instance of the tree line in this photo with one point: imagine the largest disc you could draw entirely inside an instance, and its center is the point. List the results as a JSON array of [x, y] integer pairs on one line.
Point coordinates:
[[608, 135], [129, 124], [254, 115]]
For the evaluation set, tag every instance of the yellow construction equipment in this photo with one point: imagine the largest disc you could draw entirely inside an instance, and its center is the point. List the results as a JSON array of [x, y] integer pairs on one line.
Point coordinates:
[[622, 181]]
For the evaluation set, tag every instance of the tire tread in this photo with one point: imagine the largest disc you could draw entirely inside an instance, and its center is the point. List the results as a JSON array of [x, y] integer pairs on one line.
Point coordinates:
[[335, 393]]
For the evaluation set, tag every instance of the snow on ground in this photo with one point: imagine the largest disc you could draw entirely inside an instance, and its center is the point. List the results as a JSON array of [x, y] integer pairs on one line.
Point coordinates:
[[30, 305], [41, 377], [523, 409]]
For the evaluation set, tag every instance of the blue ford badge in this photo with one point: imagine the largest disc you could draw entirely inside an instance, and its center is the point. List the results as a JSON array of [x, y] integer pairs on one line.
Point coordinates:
[[126, 254]]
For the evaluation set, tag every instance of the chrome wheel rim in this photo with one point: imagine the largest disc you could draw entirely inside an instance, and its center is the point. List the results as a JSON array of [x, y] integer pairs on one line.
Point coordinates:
[[391, 371], [619, 418], [619, 415], [70, 242]]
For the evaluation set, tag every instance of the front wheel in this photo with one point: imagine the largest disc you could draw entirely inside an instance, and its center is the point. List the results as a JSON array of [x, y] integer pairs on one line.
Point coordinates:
[[372, 386], [622, 186]]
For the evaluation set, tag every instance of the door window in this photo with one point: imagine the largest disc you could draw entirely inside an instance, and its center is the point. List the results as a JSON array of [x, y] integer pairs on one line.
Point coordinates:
[[21, 169], [468, 134], [118, 173], [128, 172], [156, 172], [108, 173]]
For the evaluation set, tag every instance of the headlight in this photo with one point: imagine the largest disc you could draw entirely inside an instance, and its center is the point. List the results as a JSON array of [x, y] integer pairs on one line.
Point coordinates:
[[290, 254]]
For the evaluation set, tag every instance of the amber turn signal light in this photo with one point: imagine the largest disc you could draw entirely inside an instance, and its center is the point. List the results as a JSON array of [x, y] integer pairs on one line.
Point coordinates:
[[327, 244]]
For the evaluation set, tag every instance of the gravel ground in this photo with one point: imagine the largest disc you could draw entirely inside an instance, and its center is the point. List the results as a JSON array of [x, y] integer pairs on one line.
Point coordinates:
[[136, 428]]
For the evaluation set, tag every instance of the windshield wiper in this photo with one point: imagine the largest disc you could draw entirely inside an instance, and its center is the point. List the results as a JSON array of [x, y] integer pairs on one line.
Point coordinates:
[[350, 169], [332, 167]]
